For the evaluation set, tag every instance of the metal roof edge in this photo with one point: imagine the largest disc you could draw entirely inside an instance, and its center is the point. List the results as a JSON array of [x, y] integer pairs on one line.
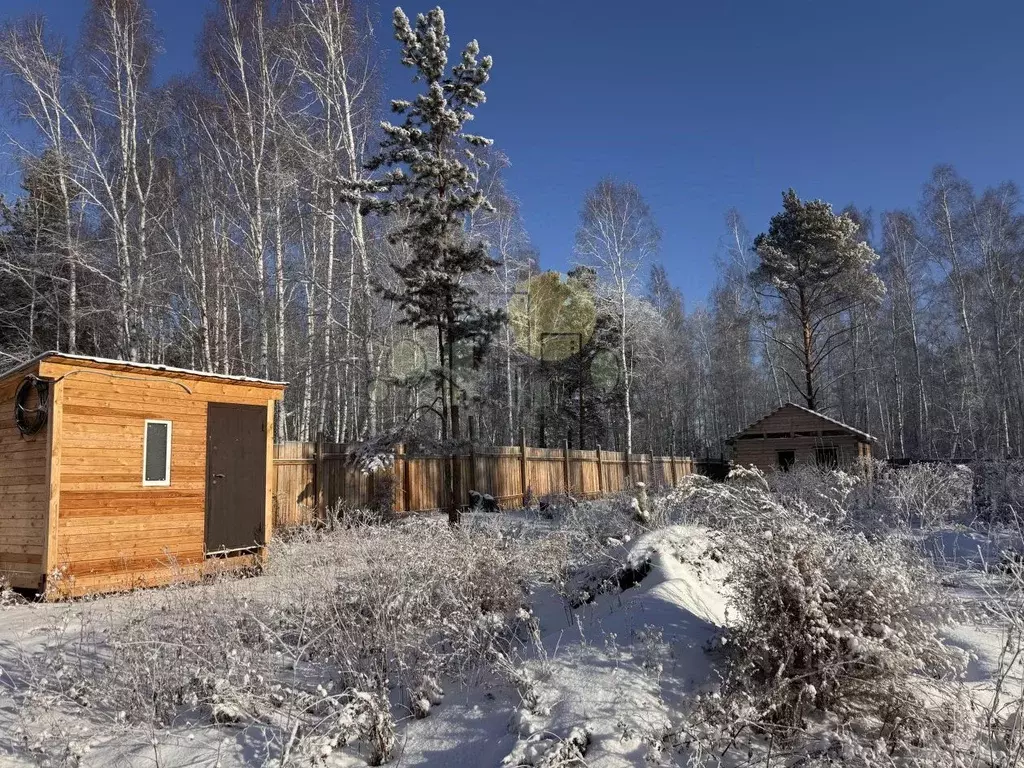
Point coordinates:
[[144, 366]]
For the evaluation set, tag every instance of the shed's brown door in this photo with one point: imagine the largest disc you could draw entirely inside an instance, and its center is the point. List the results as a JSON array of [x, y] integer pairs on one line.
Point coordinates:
[[236, 474]]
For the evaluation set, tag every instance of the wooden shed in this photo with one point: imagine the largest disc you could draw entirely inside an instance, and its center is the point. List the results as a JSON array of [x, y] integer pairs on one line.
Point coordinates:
[[117, 474], [792, 435]]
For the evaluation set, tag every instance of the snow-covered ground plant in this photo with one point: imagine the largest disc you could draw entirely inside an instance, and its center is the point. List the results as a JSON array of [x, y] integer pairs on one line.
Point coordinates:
[[346, 631], [999, 495], [1000, 741], [744, 502], [8, 596], [817, 493], [399, 602], [595, 522], [762, 621], [832, 632], [922, 495], [596, 534]]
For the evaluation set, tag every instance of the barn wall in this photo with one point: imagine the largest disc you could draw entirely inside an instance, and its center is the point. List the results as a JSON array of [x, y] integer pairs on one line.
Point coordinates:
[[789, 419], [110, 530], [761, 450], [763, 453], [23, 493]]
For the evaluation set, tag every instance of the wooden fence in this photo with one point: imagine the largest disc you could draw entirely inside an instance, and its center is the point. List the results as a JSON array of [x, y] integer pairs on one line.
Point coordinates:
[[313, 477]]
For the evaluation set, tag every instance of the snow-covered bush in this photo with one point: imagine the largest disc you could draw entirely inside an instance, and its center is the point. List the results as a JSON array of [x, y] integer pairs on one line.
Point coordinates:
[[817, 493], [744, 502], [673, 506], [923, 495], [145, 656], [8, 596], [1001, 737], [999, 497], [593, 523], [830, 624], [343, 625], [396, 603], [549, 751]]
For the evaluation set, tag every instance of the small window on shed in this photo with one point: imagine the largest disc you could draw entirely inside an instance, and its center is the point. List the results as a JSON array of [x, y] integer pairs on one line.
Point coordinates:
[[786, 460], [827, 458], [156, 453]]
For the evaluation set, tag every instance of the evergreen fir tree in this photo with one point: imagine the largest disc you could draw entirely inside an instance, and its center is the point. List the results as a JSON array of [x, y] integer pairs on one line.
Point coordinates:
[[432, 179]]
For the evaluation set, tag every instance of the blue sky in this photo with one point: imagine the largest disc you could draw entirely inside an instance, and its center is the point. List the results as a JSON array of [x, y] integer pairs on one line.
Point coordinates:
[[711, 105]]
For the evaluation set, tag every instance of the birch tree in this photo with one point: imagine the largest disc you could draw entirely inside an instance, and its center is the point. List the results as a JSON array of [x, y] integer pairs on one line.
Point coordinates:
[[240, 63], [331, 53], [41, 91], [617, 235]]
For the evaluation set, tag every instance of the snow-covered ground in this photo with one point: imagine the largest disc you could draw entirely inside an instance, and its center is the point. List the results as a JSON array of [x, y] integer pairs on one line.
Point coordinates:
[[615, 668], [612, 677]]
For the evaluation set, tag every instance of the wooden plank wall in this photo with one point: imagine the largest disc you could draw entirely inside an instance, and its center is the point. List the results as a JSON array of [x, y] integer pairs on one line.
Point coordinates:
[[794, 429], [24, 494], [318, 476], [110, 531]]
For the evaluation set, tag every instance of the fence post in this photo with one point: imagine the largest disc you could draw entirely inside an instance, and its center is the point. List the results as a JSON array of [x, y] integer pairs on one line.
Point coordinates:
[[652, 472], [672, 459], [318, 477], [472, 469], [522, 462], [452, 485], [402, 491], [565, 465], [600, 473]]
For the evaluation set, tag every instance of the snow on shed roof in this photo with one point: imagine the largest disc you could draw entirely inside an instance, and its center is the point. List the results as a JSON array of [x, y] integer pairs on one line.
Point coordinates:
[[144, 366], [847, 427]]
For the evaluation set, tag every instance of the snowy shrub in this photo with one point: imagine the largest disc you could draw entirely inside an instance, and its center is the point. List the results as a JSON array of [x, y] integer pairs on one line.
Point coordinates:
[[597, 534], [1002, 723], [8, 597], [593, 523], [393, 604], [344, 515], [744, 502], [343, 625], [999, 496], [923, 495], [832, 624], [365, 718], [823, 494], [548, 751], [151, 655]]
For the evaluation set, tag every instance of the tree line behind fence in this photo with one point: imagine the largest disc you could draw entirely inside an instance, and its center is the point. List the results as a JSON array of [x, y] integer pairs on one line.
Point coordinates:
[[313, 478]]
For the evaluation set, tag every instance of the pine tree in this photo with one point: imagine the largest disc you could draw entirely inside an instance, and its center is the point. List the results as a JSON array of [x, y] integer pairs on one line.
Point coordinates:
[[815, 267], [433, 179]]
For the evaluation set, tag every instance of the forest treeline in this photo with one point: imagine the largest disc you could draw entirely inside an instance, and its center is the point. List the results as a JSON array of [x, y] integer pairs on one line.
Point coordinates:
[[278, 215]]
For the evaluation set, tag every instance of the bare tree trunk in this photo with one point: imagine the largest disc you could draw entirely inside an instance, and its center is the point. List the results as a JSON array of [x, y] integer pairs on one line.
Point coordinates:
[[627, 376], [808, 354]]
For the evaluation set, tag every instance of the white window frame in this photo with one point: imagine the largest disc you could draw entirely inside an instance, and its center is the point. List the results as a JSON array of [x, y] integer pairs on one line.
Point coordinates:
[[145, 450]]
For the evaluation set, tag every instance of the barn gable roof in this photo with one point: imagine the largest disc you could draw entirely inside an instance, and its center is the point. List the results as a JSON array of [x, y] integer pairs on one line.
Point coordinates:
[[860, 434], [129, 364]]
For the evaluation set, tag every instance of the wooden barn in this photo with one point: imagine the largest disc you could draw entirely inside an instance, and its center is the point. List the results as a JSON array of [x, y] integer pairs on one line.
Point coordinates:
[[792, 435], [110, 472]]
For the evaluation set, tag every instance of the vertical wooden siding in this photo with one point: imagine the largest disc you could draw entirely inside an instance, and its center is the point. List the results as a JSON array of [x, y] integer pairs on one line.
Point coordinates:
[[24, 497], [419, 483]]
